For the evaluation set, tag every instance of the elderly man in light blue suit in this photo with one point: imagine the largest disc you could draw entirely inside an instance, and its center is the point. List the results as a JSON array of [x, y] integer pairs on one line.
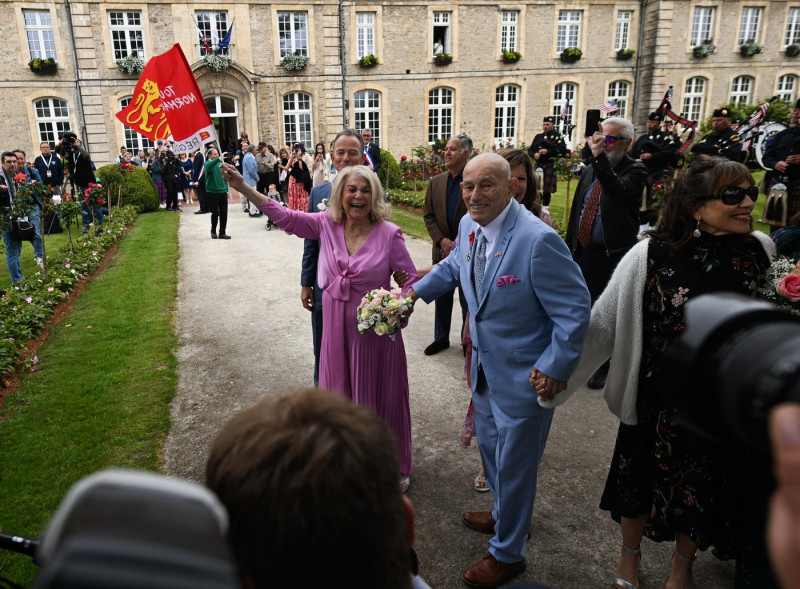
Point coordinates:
[[529, 311]]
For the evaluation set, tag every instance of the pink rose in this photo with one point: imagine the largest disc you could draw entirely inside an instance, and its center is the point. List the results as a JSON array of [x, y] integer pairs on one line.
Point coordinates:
[[789, 287]]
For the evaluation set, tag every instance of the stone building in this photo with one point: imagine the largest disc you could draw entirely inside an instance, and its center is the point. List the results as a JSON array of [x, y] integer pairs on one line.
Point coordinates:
[[408, 99]]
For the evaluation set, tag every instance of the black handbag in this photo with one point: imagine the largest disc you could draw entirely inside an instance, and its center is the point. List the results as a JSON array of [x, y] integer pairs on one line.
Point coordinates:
[[22, 230]]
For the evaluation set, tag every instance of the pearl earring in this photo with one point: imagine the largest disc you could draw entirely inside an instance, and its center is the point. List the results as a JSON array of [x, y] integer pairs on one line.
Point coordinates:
[[696, 232]]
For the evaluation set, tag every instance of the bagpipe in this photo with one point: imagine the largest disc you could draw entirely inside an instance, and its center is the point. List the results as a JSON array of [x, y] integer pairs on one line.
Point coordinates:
[[688, 126]]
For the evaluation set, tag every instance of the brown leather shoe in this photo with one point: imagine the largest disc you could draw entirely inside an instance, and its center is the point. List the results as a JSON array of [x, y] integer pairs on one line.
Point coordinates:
[[481, 521], [490, 572]]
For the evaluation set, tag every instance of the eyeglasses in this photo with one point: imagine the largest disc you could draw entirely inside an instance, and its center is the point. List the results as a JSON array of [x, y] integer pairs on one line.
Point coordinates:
[[610, 139], [733, 195]]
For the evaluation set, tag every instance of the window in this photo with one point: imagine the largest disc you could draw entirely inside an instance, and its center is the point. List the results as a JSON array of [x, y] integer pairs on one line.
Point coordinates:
[[126, 34], [793, 27], [506, 106], [297, 119], [52, 118], [787, 86], [441, 32], [619, 91], [622, 38], [293, 33], [367, 111], [702, 25], [39, 30], [569, 29], [742, 89], [748, 30], [133, 141], [564, 96], [440, 114], [213, 26], [365, 34], [694, 98], [508, 30]]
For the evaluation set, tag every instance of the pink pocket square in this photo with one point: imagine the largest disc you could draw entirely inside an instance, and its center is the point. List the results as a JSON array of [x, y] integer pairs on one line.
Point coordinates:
[[504, 280]]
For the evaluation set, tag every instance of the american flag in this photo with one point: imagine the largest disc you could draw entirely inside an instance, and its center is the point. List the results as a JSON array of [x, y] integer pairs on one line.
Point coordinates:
[[759, 114], [565, 110], [609, 107]]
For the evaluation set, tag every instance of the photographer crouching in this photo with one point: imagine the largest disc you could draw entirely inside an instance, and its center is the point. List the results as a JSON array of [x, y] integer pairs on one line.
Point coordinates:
[[81, 174]]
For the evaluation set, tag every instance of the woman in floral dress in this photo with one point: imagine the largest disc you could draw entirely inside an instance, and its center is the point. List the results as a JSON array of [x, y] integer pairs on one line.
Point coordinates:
[[665, 481], [299, 172]]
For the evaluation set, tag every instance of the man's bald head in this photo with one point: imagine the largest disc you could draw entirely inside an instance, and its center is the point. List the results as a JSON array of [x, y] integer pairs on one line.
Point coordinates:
[[487, 187]]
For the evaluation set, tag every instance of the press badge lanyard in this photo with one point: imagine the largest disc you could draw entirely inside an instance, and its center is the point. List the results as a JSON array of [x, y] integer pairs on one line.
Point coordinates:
[[47, 163]]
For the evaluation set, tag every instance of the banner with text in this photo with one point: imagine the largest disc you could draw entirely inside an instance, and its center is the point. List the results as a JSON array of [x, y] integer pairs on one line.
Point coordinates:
[[167, 104]]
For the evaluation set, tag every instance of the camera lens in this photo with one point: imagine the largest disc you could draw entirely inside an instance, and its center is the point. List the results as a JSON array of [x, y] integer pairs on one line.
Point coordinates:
[[736, 360]]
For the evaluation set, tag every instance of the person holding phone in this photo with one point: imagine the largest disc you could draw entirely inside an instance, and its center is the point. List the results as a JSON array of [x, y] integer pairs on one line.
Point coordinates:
[[604, 219], [546, 147], [322, 164]]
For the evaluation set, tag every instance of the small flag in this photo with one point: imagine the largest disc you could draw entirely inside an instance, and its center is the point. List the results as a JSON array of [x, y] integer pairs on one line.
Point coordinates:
[[214, 34], [609, 107], [760, 113], [565, 110], [202, 37], [226, 41]]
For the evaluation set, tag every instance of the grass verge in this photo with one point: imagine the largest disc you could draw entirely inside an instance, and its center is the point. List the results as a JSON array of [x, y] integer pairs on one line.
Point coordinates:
[[101, 395]]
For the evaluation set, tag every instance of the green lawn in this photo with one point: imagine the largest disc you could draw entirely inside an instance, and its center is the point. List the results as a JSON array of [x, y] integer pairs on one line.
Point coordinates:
[[100, 397]]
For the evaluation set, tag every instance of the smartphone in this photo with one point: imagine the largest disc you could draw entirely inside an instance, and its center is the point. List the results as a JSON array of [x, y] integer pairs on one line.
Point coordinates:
[[592, 118]]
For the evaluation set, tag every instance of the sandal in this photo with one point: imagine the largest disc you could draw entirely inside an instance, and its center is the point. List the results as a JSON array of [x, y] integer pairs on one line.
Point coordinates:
[[405, 483], [481, 486], [620, 582]]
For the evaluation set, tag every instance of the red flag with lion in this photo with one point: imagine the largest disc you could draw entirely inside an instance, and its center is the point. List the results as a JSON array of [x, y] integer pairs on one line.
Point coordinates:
[[167, 104]]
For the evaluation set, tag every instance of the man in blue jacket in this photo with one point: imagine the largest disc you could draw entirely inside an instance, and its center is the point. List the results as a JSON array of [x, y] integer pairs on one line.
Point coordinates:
[[529, 310]]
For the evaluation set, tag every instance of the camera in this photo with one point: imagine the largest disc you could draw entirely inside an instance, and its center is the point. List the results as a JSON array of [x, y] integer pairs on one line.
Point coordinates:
[[735, 361]]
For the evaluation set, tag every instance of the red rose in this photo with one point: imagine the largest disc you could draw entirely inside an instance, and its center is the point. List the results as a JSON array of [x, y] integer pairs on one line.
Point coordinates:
[[789, 287], [20, 177], [99, 201], [403, 158], [471, 238], [86, 199]]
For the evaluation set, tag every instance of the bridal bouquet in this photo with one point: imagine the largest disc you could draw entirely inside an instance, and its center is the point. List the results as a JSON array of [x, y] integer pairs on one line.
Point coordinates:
[[383, 311], [782, 285]]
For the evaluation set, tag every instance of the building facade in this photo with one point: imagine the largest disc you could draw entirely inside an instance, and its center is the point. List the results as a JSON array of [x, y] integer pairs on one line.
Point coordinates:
[[409, 99]]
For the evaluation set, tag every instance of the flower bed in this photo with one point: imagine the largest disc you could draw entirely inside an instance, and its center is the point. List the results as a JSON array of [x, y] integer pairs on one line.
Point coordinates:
[[26, 307]]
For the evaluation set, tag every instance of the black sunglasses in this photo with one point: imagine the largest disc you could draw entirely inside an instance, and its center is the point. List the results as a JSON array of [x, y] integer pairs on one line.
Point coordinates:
[[733, 195]]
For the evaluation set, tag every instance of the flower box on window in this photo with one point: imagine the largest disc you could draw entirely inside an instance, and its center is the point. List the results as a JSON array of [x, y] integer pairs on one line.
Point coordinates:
[[624, 54], [793, 50], [295, 62], [703, 50], [442, 59], [571, 55], [43, 66], [511, 56], [750, 48], [216, 62], [132, 64], [368, 61]]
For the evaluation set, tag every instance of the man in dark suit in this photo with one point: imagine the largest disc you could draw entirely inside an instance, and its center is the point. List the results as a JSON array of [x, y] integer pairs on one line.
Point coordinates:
[[7, 194], [199, 180], [443, 210], [372, 150], [347, 150], [723, 140], [529, 311], [604, 219]]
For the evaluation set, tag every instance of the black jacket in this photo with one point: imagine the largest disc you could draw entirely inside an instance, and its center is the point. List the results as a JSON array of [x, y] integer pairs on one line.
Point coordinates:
[[784, 144], [727, 144], [619, 201]]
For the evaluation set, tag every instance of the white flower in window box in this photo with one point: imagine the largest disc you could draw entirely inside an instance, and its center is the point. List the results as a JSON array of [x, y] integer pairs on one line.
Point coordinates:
[[216, 62], [295, 62]]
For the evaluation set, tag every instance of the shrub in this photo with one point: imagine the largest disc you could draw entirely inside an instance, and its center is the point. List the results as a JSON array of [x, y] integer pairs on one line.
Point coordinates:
[[391, 175], [295, 62], [132, 64], [793, 50], [369, 61], [750, 48], [137, 186], [410, 199]]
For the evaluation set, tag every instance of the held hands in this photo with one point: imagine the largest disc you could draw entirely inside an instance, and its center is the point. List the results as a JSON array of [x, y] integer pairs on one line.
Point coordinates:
[[547, 388]]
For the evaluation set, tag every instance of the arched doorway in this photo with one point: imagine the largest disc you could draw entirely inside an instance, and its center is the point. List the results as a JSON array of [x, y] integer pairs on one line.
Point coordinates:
[[224, 111]]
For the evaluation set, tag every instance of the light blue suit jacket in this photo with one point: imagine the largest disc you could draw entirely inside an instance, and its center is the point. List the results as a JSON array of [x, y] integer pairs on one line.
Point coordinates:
[[538, 321], [250, 169]]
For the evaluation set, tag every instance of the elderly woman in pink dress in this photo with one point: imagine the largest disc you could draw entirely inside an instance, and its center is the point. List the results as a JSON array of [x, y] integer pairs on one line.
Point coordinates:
[[359, 251]]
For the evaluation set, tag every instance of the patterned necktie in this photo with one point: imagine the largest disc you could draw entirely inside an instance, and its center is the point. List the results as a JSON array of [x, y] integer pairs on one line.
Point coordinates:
[[480, 264], [589, 215]]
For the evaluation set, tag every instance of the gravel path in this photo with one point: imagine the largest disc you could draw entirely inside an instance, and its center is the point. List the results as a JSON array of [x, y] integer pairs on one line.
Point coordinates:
[[244, 335]]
